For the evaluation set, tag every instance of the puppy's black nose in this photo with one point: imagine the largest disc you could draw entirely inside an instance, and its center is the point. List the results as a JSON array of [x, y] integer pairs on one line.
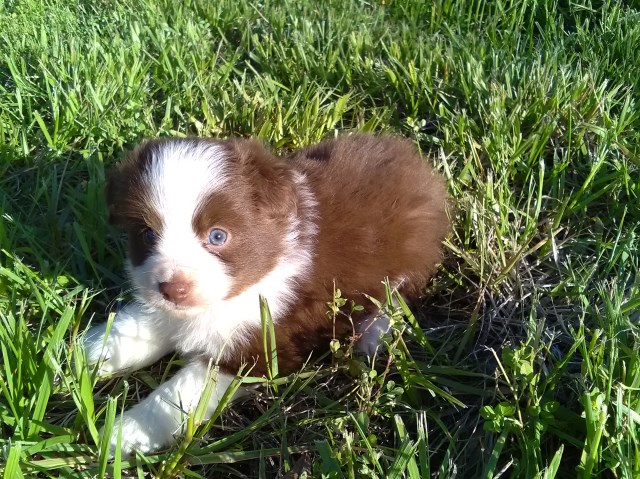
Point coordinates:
[[177, 292]]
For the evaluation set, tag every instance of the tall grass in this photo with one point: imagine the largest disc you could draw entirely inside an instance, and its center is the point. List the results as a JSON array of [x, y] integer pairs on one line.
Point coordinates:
[[523, 360]]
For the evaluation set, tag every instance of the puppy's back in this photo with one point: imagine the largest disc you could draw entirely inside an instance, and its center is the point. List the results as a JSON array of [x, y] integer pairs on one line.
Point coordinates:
[[381, 213]]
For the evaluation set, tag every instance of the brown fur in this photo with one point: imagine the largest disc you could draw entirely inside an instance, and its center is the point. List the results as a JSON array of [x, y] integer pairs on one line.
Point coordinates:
[[127, 205], [254, 214], [381, 214]]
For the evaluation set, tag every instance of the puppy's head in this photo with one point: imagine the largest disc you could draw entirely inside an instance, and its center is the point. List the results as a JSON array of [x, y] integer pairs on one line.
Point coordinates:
[[205, 219]]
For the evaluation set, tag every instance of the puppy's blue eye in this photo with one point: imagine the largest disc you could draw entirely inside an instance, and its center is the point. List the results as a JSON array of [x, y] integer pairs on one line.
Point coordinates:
[[217, 237], [149, 235]]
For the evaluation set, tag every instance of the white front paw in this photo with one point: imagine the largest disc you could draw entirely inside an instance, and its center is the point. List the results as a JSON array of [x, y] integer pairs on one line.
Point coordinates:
[[135, 340], [141, 431], [100, 350]]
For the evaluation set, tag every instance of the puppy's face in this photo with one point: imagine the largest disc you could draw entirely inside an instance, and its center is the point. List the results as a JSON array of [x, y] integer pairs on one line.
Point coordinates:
[[205, 220]]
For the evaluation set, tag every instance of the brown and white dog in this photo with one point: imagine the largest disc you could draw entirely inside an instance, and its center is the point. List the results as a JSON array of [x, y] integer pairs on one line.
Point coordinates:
[[214, 224]]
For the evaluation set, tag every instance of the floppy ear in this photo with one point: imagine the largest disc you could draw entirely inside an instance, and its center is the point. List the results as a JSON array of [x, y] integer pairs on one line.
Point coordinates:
[[115, 190], [274, 190], [121, 182], [123, 187]]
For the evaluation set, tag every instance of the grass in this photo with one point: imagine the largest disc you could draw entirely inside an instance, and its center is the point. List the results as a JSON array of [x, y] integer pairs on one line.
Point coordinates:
[[523, 360]]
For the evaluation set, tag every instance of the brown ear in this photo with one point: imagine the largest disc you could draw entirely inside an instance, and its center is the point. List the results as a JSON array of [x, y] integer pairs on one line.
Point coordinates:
[[123, 186], [274, 190], [115, 191], [120, 181]]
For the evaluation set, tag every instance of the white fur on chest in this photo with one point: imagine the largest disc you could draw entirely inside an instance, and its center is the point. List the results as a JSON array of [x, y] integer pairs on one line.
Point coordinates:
[[223, 326]]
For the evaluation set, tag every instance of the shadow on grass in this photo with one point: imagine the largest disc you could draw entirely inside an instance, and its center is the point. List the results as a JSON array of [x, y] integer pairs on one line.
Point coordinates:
[[53, 221]]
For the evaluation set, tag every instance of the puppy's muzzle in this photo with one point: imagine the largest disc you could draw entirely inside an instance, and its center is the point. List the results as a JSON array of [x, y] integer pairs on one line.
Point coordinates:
[[179, 291]]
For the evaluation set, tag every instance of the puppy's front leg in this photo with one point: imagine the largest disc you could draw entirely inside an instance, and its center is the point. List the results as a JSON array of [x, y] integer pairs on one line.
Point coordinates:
[[155, 422], [136, 339]]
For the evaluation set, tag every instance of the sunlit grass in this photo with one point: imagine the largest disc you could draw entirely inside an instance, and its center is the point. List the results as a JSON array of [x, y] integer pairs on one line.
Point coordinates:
[[523, 359]]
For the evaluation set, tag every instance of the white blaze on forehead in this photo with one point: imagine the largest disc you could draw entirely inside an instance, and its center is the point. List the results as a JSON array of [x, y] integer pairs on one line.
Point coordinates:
[[180, 176]]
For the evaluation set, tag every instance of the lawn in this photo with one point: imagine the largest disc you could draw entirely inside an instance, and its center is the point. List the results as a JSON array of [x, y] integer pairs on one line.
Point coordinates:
[[523, 360]]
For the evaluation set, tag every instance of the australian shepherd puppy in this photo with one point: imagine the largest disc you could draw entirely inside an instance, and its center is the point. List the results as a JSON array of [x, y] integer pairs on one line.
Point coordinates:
[[213, 225]]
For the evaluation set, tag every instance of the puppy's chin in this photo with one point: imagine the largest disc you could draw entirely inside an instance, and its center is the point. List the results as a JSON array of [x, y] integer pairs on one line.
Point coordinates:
[[184, 312], [158, 304]]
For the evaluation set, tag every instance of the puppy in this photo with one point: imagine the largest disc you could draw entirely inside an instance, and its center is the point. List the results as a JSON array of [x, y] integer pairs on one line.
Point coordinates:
[[212, 225]]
